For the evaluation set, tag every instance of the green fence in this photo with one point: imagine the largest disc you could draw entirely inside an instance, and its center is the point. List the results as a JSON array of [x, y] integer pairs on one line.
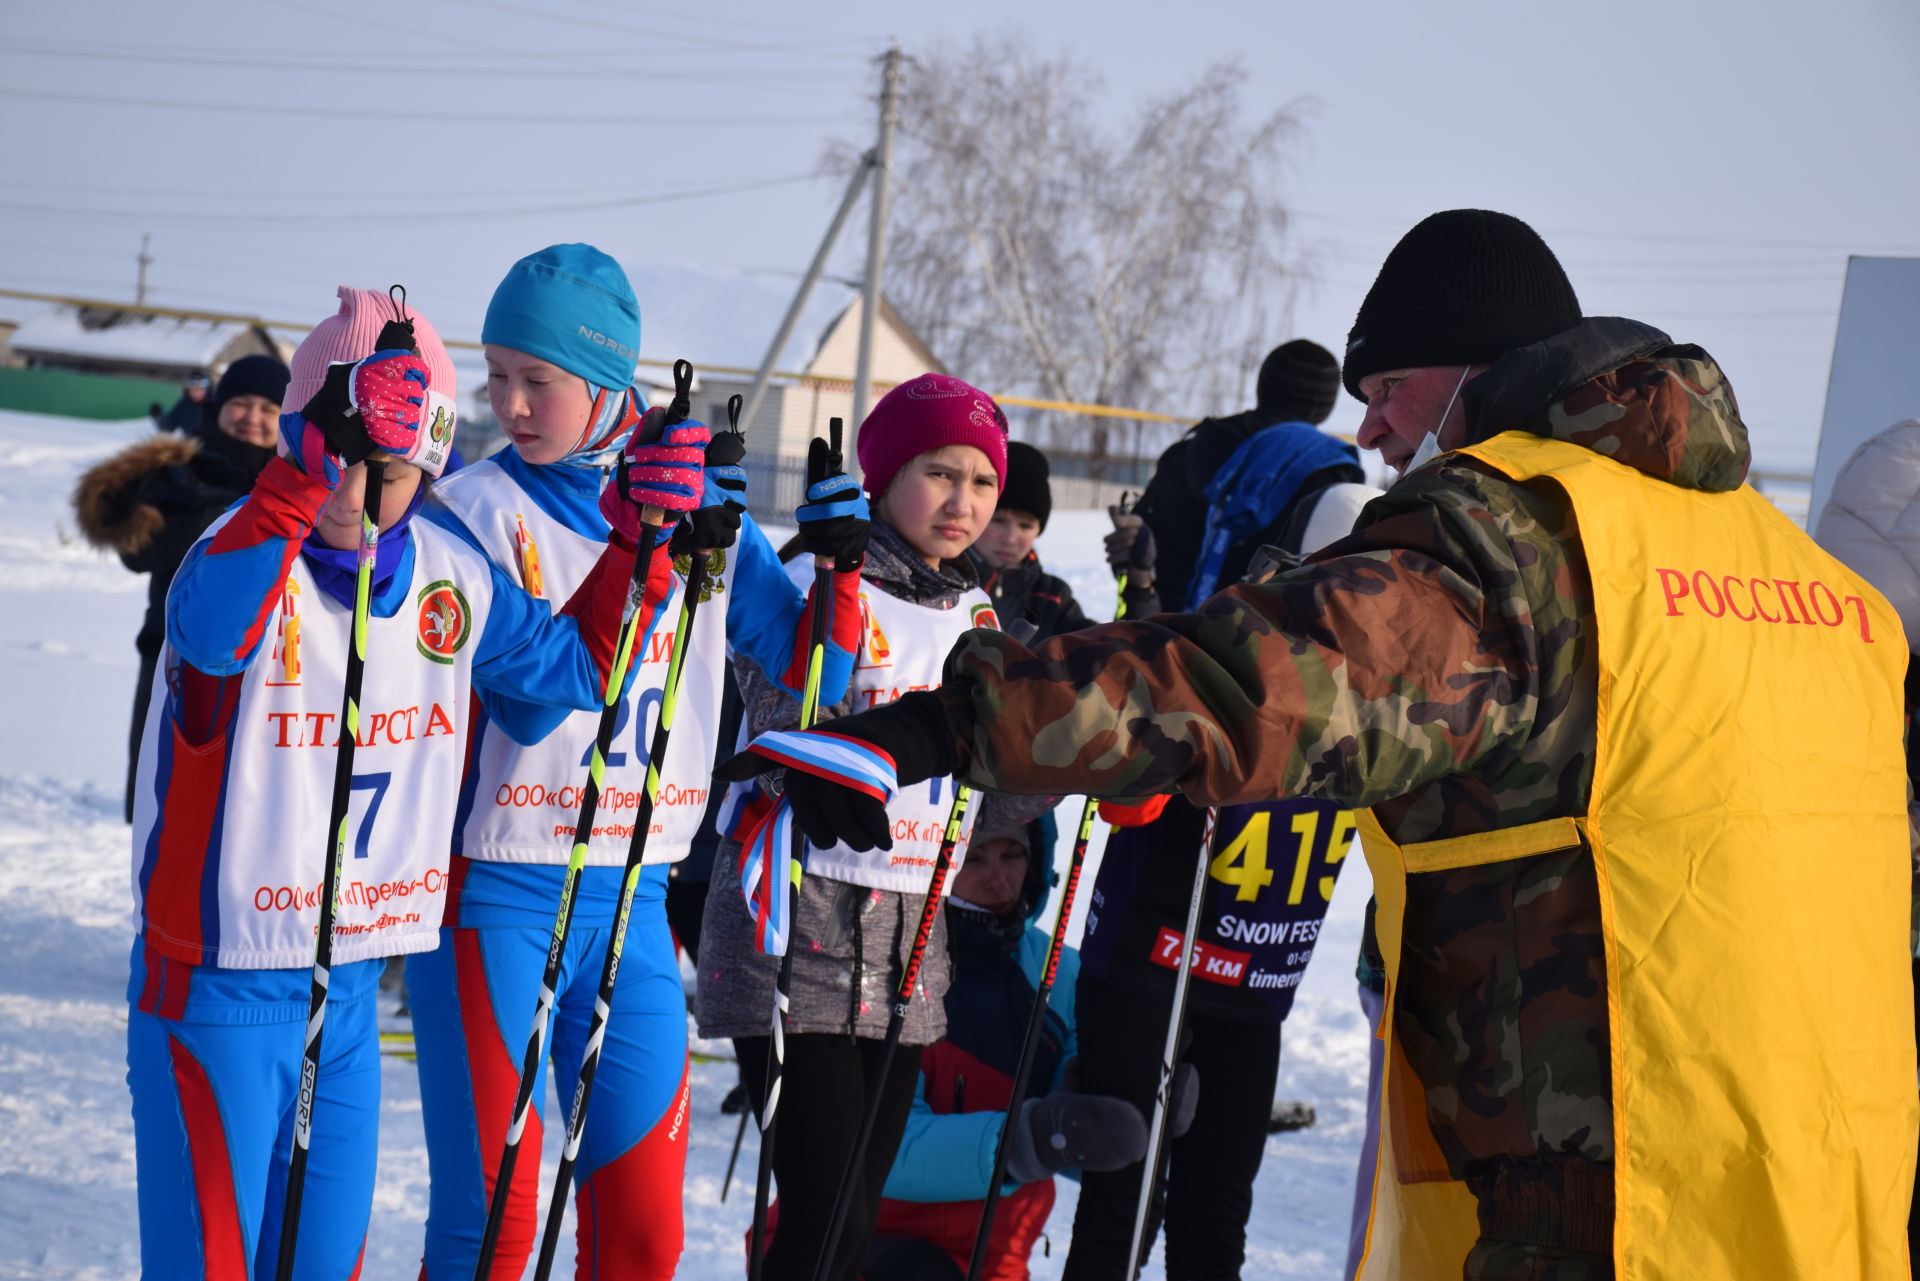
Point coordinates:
[[56, 391]]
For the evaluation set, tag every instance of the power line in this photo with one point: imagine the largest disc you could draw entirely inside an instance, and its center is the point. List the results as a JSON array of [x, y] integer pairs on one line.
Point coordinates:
[[428, 216], [714, 43], [228, 196], [430, 39], [761, 79], [387, 115], [1747, 242]]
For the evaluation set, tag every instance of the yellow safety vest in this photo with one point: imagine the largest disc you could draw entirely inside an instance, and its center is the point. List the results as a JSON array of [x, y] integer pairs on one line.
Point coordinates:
[[1749, 831]]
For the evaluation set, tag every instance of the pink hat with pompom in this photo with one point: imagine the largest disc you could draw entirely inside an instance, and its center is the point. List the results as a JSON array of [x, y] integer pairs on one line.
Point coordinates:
[[924, 414], [350, 334]]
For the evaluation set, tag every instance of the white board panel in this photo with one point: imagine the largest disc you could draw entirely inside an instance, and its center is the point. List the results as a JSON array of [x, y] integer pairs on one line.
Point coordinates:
[[1875, 380]]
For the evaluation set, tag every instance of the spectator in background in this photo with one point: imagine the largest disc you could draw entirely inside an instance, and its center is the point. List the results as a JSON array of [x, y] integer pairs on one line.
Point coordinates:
[[189, 413], [1241, 492], [1010, 570], [150, 502], [1872, 522]]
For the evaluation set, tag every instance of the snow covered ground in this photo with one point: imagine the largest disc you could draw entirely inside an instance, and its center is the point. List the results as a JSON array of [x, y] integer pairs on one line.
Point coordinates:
[[67, 620]]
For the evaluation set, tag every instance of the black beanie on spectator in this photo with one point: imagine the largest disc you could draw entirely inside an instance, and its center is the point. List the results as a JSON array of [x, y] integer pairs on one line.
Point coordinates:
[[256, 375], [1299, 381], [1026, 488], [1462, 288]]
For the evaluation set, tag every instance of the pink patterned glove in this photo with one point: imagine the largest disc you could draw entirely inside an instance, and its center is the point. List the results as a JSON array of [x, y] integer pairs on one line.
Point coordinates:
[[666, 474], [389, 389]]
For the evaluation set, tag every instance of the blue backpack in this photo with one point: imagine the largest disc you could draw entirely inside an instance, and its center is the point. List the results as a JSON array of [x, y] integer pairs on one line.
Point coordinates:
[[1254, 486]]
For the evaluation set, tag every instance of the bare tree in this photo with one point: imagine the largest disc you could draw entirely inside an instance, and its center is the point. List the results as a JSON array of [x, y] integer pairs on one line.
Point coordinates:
[[1038, 253]]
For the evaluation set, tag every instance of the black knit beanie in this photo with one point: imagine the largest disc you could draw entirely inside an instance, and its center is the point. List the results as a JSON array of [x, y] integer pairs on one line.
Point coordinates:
[[1299, 381], [1026, 489], [1462, 287], [256, 375]]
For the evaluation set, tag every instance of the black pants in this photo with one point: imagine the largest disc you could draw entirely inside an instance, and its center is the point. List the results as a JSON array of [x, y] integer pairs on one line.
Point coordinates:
[[142, 692], [910, 1259], [1209, 1187], [686, 908], [823, 1095]]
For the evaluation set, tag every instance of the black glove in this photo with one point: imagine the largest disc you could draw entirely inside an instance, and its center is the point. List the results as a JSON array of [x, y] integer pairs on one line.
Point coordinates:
[[1066, 1131], [833, 519], [707, 529], [716, 527], [912, 729], [1186, 1099], [1130, 548], [331, 409]]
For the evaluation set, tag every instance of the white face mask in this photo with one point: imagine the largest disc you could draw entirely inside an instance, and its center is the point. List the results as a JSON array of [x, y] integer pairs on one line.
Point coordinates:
[[1429, 448]]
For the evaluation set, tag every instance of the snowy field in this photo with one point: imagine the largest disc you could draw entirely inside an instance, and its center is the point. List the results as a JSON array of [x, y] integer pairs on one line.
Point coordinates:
[[67, 621]]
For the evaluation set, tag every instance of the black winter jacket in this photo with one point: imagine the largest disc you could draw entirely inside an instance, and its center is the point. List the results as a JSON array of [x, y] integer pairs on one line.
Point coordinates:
[[151, 502]]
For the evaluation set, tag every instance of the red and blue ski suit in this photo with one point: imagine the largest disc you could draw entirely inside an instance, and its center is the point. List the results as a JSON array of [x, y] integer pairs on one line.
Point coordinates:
[[473, 997], [220, 974]]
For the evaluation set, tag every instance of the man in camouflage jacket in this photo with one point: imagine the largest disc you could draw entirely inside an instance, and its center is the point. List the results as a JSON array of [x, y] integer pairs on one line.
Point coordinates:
[[1438, 665]]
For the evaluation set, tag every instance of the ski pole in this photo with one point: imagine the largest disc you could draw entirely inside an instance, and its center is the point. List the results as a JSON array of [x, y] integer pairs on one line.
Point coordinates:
[[896, 1023], [651, 518], [783, 982], [1036, 1020], [739, 1136], [1030, 1048], [1176, 1023], [395, 334], [696, 586]]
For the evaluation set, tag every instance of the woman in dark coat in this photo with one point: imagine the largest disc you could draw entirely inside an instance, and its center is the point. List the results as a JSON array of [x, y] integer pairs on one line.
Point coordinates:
[[150, 502]]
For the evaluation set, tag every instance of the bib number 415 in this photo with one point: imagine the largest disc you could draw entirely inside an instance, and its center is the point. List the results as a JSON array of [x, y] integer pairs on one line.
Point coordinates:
[[1243, 863]]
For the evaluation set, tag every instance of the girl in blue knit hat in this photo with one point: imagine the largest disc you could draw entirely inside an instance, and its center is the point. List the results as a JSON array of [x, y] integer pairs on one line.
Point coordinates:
[[562, 335]]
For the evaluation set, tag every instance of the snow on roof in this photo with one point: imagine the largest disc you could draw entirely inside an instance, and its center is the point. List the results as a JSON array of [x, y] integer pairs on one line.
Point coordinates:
[[728, 318], [109, 335]]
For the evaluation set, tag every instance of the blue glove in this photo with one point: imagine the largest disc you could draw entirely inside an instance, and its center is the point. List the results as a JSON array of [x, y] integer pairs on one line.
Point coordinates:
[[833, 519]]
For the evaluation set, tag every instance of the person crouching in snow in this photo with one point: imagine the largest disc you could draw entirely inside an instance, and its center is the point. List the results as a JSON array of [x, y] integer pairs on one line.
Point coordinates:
[[936, 1191], [933, 451], [237, 775], [561, 335]]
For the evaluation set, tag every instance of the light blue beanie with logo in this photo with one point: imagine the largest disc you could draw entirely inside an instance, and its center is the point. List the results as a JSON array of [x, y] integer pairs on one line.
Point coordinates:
[[571, 306]]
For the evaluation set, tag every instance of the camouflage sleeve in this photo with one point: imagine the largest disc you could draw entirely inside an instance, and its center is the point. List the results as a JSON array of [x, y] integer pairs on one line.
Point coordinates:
[[1404, 653]]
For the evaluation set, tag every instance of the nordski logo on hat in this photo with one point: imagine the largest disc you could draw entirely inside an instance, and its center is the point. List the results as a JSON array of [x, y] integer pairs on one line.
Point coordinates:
[[445, 621]]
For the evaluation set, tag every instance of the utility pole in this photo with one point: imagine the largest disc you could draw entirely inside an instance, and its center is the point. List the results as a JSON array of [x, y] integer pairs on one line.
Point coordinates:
[[146, 259], [764, 374], [877, 230]]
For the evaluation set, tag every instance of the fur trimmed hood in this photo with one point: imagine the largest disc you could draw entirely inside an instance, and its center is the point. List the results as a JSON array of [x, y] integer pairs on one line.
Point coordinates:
[[107, 498]]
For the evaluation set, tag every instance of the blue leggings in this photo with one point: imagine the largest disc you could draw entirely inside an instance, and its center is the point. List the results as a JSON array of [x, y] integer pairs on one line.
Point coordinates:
[[213, 1106], [473, 1003]]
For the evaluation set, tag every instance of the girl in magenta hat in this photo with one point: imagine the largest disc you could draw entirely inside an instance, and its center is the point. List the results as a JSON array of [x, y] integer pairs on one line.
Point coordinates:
[[934, 451]]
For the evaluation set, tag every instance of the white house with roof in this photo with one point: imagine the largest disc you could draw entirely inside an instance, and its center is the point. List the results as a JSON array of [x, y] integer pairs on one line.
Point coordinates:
[[133, 344], [723, 323]]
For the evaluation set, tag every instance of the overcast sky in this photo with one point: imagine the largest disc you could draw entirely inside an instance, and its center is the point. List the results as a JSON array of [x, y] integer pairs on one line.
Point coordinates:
[[1707, 167]]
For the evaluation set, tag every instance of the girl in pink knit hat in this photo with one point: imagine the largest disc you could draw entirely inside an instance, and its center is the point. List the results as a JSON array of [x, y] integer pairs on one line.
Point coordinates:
[[933, 452], [236, 779]]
